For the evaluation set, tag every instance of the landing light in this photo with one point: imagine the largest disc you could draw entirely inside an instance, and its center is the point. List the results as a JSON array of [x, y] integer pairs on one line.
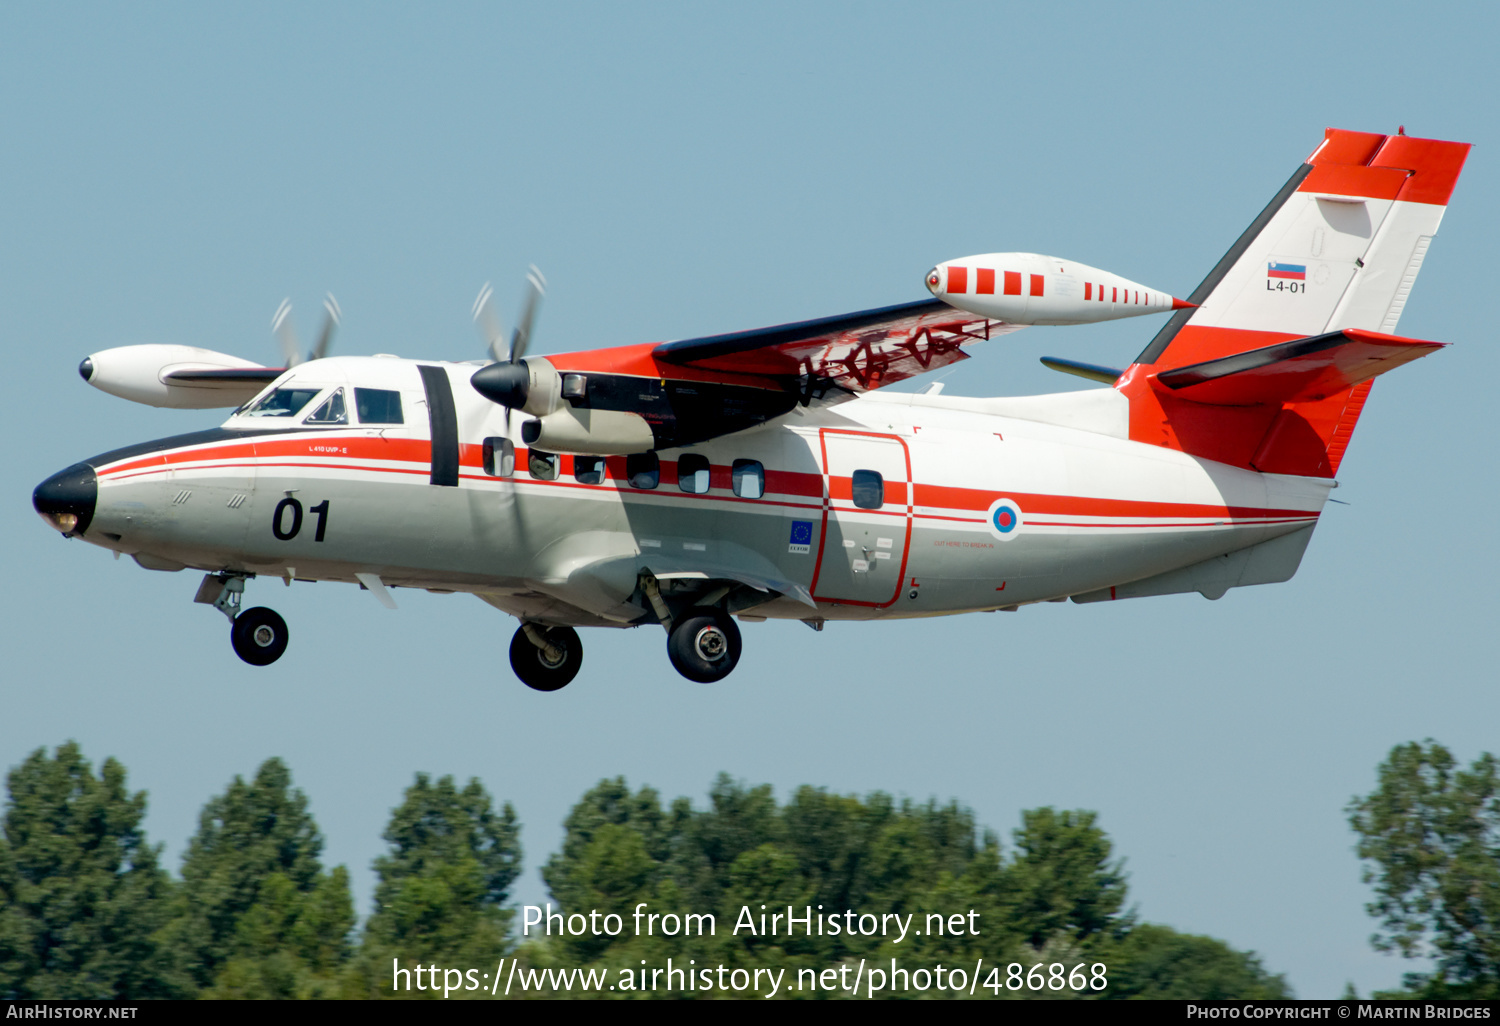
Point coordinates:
[[67, 523]]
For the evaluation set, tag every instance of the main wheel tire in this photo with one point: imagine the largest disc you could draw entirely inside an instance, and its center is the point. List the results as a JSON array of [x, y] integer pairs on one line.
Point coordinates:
[[533, 667], [259, 636], [704, 645]]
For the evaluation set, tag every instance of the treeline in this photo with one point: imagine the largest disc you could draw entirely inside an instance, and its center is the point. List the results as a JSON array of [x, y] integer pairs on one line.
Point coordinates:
[[88, 911]]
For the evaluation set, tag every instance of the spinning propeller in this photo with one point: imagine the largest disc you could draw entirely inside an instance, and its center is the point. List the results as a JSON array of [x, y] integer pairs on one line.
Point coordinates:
[[281, 324], [507, 380]]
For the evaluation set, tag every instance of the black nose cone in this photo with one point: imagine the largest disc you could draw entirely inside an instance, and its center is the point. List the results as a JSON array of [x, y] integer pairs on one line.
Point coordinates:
[[503, 383], [66, 499]]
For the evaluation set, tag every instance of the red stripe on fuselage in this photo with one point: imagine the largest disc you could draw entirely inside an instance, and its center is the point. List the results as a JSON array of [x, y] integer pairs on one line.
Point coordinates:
[[797, 484]]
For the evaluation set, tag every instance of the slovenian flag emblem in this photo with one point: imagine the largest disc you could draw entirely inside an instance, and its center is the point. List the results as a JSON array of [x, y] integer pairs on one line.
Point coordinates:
[[1292, 272]]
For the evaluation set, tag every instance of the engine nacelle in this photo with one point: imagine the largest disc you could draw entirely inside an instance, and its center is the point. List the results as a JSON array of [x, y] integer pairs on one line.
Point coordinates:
[[585, 432], [565, 423], [1030, 288], [144, 374]]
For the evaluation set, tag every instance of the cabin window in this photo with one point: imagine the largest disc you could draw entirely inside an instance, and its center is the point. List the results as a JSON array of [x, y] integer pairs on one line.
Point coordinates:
[[284, 402], [643, 470], [378, 406], [331, 412], [499, 457], [868, 488], [692, 474], [588, 469], [543, 465], [749, 479]]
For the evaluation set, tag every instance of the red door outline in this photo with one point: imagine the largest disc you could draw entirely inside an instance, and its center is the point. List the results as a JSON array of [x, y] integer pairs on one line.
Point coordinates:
[[828, 508]]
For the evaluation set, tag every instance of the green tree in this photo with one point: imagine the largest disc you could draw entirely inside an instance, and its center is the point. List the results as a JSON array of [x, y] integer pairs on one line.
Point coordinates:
[[257, 915], [1431, 834], [81, 894], [1158, 962], [1058, 898], [443, 883], [609, 804], [1061, 879]]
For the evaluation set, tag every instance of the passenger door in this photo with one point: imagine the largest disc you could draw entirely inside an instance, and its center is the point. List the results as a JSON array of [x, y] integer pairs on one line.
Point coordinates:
[[866, 517]]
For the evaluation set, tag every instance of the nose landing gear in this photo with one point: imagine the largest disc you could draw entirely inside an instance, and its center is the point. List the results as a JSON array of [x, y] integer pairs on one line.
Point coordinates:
[[259, 635]]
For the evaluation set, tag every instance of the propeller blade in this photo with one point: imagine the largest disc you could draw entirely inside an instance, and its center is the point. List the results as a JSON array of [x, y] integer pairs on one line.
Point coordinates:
[[488, 322], [332, 315], [536, 288], [281, 324]]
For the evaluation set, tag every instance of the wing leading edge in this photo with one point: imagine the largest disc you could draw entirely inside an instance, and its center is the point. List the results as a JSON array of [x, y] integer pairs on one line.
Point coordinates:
[[851, 353]]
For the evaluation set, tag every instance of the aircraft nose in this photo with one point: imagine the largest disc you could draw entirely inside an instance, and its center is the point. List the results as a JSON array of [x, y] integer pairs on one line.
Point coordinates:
[[66, 499]]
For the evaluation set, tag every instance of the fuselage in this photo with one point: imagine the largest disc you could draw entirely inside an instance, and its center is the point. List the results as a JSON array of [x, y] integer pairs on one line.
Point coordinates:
[[882, 506]]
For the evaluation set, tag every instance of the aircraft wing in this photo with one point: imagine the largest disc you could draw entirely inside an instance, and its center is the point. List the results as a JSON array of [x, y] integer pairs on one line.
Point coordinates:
[[660, 396], [853, 353]]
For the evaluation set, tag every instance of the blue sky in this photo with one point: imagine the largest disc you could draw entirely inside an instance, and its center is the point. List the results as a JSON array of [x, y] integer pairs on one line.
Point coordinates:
[[170, 172]]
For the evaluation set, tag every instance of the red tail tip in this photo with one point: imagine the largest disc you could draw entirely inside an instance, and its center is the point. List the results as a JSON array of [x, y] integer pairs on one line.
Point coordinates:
[[1182, 304]]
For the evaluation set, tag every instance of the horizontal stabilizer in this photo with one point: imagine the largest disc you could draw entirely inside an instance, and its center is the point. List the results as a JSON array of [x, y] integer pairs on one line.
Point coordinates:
[[1092, 371], [1302, 370]]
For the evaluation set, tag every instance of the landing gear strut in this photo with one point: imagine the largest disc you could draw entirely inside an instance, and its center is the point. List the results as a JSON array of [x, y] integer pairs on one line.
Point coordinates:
[[545, 658], [704, 645], [259, 635]]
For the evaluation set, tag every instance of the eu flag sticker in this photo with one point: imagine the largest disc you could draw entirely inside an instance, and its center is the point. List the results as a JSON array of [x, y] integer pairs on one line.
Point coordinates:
[[801, 540]]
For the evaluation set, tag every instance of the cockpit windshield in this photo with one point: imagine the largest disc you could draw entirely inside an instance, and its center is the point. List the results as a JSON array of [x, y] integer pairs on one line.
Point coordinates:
[[283, 402]]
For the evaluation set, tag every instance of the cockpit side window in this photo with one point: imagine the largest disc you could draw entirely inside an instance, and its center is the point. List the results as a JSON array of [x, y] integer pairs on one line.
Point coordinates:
[[283, 402], [378, 406], [331, 412]]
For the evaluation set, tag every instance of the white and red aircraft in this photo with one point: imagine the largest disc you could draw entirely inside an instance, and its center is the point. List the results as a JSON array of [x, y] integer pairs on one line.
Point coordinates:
[[763, 474]]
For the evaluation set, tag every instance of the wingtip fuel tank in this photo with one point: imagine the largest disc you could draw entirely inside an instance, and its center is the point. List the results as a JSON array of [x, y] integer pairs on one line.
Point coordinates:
[[1031, 288]]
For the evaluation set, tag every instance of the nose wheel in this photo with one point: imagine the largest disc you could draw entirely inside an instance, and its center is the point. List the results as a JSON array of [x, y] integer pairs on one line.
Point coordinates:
[[704, 645], [259, 636], [545, 658]]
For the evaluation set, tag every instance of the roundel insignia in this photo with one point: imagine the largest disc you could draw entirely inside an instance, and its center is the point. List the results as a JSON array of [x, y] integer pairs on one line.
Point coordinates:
[[1005, 519]]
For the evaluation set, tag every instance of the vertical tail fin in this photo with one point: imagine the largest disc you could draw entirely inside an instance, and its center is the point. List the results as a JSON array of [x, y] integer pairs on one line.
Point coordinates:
[[1338, 248]]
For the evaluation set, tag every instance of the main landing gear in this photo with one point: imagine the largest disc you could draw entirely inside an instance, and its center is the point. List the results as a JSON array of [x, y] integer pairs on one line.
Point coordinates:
[[545, 658], [259, 635], [704, 645]]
